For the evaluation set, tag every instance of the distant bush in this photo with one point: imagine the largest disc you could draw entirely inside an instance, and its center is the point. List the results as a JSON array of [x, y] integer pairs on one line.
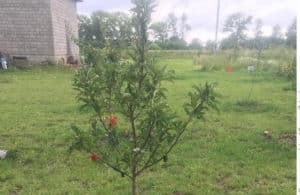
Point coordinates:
[[288, 70], [281, 54], [245, 61], [167, 54], [175, 43], [211, 62], [154, 46]]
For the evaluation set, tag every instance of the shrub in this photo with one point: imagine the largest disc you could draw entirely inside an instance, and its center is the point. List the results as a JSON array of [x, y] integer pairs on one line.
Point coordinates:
[[288, 70]]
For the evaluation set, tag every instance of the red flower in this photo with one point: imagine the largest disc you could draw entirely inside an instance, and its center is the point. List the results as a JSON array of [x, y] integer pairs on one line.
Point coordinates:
[[94, 157], [113, 120], [229, 69]]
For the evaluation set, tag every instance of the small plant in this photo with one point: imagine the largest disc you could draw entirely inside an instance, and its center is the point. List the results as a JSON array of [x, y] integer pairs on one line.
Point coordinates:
[[133, 127], [290, 72]]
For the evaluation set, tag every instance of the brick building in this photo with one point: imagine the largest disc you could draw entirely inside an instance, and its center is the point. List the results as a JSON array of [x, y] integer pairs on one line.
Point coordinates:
[[39, 30]]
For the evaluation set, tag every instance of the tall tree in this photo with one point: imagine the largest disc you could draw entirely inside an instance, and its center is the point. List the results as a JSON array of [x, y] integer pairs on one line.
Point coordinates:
[[160, 31], [102, 28], [237, 24], [172, 25], [184, 26], [291, 35], [276, 37], [258, 28]]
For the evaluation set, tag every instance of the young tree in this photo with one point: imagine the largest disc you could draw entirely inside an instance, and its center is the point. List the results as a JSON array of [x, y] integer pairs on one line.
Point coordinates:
[[292, 35], [133, 127], [258, 40], [237, 24]]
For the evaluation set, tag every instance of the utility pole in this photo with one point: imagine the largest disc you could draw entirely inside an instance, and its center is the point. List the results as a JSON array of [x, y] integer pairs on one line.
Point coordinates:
[[217, 27]]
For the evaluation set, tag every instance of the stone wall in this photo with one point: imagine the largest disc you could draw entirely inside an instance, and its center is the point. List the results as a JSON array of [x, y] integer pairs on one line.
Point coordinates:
[[65, 28], [25, 28], [37, 29]]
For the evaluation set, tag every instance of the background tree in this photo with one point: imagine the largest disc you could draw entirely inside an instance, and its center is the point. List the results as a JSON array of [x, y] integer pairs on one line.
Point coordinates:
[[184, 26], [166, 34], [237, 24], [102, 31], [175, 43], [90, 31], [172, 25], [85, 30], [160, 32], [291, 35], [276, 37], [103, 27], [227, 43], [133, 128], [196, 44], [210, 45]]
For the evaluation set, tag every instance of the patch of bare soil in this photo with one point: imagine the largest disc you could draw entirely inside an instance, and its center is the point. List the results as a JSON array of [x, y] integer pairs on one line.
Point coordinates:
[[287, 138]]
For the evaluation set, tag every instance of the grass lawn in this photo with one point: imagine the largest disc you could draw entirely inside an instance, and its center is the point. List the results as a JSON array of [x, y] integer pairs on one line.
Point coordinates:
[[226, 154]]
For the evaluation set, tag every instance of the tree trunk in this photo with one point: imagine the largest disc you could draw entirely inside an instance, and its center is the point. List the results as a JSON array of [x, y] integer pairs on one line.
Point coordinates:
[[217, 28], [134, 185]]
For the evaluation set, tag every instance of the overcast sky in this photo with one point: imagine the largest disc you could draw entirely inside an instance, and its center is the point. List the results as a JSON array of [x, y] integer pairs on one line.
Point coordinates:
[[202, 13]]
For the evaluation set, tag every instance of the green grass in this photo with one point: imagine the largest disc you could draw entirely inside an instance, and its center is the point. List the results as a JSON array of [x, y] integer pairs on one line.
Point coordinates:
[[226, 154]]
